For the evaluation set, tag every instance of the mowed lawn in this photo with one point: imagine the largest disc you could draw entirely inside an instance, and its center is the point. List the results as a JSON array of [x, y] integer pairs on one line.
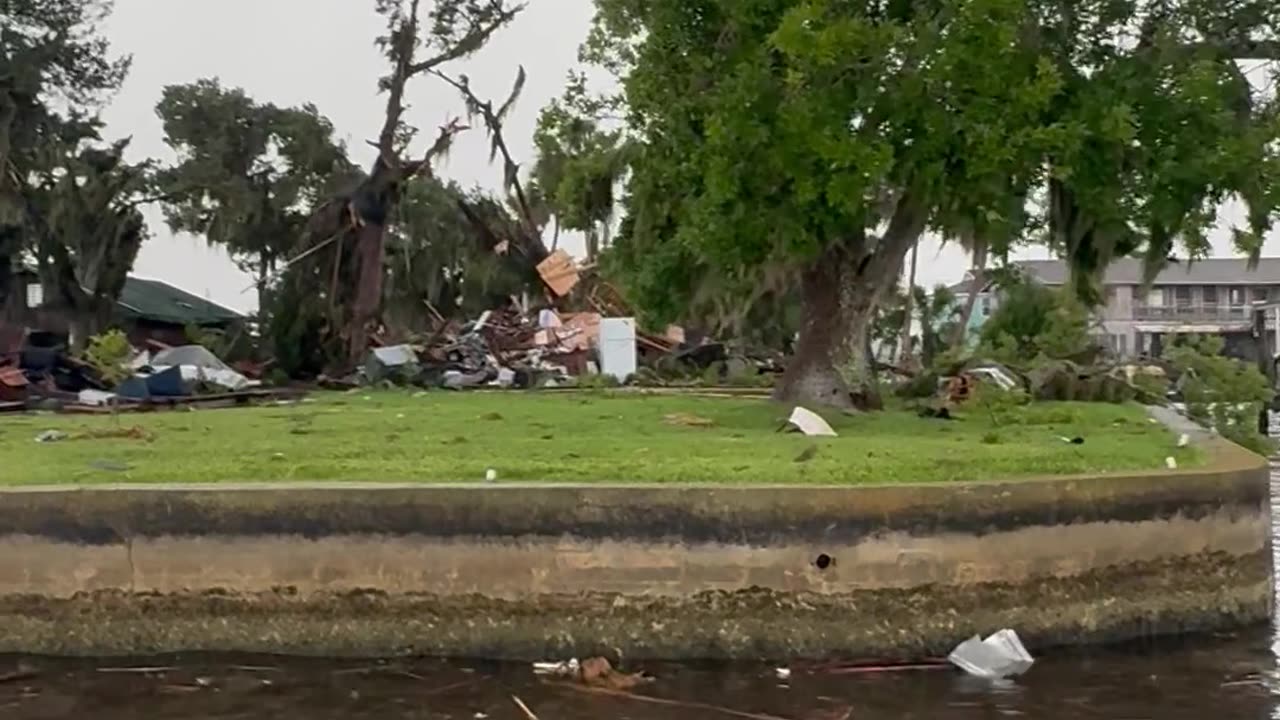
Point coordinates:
[[571, 437]]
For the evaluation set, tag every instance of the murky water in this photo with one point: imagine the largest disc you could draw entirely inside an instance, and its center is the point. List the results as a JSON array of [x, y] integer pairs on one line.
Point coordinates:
[[1225, 677]]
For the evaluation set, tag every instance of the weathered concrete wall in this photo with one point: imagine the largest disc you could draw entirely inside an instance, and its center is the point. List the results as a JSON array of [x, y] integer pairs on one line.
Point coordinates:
[[671, 572]]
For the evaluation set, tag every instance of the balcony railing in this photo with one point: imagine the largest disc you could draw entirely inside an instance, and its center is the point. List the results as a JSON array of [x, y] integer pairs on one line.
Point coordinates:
[[1194, 313]]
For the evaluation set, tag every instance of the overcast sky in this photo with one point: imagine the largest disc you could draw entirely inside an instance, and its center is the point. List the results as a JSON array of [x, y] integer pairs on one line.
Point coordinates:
[[321, 51]]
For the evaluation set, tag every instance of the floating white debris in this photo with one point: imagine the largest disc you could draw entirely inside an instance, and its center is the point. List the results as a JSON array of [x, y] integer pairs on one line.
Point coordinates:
[[1184, 440], [559, 669], [810, 423], [1001, 655], [782, 673], [1171, 463]]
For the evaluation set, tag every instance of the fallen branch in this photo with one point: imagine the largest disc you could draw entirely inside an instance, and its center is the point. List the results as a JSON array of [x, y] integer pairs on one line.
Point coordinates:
[[19, 674], [670, 703], [520, 704], [136, 670], [868, 669]]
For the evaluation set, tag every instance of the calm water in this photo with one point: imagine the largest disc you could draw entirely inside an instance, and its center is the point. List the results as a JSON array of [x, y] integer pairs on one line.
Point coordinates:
[[1225, 677]]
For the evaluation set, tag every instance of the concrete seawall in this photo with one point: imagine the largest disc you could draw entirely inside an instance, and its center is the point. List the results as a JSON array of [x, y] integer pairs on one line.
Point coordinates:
[[673, 572]]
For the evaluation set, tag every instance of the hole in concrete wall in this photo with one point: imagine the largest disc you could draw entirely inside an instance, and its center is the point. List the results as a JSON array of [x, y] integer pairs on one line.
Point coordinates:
[[824, 561]]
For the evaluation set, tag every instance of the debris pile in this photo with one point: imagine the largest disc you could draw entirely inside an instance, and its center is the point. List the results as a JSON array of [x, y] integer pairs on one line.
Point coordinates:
[[501, 348], [511, 347], [38, 371]]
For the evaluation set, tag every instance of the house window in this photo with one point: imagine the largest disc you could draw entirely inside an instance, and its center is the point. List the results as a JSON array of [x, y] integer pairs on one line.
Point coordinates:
[[1259, 294], [1182, 295], [35, 295], [986, 305], [1237, 296], [1210, 294]]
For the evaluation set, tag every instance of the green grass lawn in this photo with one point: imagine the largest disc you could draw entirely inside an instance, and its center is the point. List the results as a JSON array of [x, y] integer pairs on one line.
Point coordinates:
[[587, 437]]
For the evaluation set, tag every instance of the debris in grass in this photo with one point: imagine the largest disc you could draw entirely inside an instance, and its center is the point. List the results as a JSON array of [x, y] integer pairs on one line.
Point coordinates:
[[688, 420], [1171, 463], [135, 432], [49, 436], [810, 423], [1184, 440], [942, 413]]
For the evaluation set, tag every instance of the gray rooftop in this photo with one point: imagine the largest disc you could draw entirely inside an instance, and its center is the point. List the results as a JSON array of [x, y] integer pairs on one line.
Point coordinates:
[[1128, 271]]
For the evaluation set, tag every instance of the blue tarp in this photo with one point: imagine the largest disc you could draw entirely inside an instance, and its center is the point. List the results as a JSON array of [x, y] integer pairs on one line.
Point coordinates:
[[166, 383]]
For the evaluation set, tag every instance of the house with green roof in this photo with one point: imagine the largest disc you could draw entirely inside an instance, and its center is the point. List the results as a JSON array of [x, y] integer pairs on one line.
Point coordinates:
[[147, 310]]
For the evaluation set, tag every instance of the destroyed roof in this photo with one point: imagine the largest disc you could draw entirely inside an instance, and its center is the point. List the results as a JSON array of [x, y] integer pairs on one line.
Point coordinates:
[[1128, 271], [161, 302]]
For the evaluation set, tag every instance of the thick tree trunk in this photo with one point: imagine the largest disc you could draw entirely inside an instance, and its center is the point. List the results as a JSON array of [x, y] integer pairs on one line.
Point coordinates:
[[831, 365], [977, 285], [839, 293]]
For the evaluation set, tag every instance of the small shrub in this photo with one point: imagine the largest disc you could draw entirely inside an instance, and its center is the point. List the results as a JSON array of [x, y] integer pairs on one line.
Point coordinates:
[[1003, 406], [991, 438], [277, 377], [109, 354]]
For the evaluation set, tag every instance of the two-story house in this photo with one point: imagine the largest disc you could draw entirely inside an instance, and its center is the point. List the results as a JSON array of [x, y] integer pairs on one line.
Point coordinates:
[[1216, 296]]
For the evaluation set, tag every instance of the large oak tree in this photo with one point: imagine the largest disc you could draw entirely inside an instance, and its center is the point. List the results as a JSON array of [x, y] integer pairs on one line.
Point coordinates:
[[822, 137]]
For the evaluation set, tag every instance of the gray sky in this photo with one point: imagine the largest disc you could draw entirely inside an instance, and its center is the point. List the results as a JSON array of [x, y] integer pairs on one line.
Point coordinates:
[[321, 51]]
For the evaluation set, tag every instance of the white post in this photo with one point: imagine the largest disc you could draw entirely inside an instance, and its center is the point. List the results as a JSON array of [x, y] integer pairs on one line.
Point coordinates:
[[1275, 332]]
